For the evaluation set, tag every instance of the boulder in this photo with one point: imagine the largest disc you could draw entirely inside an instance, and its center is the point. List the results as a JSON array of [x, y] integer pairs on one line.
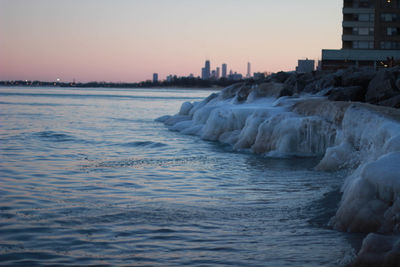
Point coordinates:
[[351, 93], [287, 91], [269, 89], [398, 83], [305, 82], [211, 97], [379, 250], [359, 78], [328, 80], [231, 91], [243, 93], [292, 80], [381, 87], [393, 102], [280, 77]]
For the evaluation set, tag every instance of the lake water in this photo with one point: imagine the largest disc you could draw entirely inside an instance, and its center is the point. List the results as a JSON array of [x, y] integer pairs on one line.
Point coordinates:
[[87, 177]]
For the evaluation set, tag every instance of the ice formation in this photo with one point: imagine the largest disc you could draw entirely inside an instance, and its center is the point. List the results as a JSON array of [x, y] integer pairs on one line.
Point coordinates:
[[355, 136]]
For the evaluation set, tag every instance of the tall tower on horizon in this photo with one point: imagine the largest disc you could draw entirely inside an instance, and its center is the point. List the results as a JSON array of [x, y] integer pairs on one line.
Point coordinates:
[[206, 71], [224, 70], [248, 70]]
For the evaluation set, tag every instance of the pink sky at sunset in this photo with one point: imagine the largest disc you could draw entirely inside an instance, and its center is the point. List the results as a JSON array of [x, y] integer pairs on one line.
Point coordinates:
[[128, 40]]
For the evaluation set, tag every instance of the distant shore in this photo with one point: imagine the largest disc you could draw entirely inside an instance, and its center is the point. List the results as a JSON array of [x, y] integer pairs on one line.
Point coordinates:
[[177, 82]]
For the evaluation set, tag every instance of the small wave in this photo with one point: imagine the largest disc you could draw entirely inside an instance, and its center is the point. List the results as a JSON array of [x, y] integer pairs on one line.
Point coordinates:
[[128, 120], [145, 163], [38, 104], [143, 144], [54, 136]]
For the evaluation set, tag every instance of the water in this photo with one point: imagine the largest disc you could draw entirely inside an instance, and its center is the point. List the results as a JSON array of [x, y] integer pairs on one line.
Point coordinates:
[[88, 178]]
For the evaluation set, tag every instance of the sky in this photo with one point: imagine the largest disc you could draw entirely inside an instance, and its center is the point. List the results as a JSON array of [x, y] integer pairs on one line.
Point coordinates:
[[129, 40]]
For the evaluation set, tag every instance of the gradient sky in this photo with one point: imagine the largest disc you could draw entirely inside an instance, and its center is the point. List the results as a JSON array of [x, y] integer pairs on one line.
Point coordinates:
[[128, 40]]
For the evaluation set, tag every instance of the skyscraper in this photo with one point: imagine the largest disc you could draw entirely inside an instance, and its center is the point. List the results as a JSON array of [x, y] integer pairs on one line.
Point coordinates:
[[217, 73], [155, 77], [248, 70], [224, 70], [206, 71], [371, 35]]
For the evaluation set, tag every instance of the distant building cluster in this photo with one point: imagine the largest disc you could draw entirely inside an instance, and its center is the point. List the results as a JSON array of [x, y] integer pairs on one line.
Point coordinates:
[[220, 72], [207, 73], [371, 38]]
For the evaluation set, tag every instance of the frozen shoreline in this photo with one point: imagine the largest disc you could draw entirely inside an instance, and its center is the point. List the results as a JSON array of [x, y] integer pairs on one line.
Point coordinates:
[[360, 137]]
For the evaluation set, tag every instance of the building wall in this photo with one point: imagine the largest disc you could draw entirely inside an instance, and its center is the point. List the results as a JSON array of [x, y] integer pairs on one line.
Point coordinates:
[[387, 24], [371, 35], [305, 65], [224, 70], [371, 24]]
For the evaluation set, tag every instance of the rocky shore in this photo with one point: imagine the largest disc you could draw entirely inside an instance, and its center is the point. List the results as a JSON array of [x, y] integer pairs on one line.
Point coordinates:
[[350, 118], [380, 87]]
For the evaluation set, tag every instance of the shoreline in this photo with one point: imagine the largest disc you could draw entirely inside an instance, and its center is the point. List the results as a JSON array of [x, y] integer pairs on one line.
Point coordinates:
[[277, 119]]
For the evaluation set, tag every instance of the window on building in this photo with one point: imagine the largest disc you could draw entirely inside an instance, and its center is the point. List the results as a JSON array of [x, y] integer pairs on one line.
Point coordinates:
[[363, 45], [390, 31], [363, 31], [365, 17], [390, 45], [364, 3], [389, 17]]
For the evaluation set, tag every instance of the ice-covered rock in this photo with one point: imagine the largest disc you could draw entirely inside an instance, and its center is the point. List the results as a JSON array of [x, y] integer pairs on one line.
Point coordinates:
[[185, 108], [371, 199], [382, 87], [363, 138], [379, 250]]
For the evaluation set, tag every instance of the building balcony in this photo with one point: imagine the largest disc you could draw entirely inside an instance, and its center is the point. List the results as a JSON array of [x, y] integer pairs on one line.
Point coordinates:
[[351, 37], [350, 10], [359, 24], [362, 54]]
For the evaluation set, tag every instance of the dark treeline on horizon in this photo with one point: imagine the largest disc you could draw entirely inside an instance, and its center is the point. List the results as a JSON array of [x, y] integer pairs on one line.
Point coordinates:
[[175, 82]]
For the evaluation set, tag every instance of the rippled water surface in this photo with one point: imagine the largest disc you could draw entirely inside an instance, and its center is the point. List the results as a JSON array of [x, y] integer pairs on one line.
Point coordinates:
[[88, 178]]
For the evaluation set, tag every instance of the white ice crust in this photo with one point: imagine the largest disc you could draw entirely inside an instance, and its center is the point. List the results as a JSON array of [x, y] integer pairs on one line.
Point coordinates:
[[353, 136]]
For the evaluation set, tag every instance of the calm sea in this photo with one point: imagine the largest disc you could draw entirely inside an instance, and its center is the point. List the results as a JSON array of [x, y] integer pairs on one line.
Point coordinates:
[[87, 177]]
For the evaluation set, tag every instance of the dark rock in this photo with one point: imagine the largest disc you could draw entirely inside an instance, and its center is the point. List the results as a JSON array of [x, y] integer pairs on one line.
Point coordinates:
[[287, 91], [292, 80], [303, 81], [211, 97], [326, 81], [378, 250], [393, 102], [269, 89], [398, 83], [381, 87], [280, 77], [351, 93], [359, 78], [243, 93], [311, 87], [231, 91]]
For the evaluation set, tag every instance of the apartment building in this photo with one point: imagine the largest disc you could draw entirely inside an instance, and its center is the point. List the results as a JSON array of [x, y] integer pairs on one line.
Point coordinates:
[[371, 35]]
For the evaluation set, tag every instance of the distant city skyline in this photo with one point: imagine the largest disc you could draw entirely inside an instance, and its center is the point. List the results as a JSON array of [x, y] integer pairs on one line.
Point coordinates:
[[129, 40]]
